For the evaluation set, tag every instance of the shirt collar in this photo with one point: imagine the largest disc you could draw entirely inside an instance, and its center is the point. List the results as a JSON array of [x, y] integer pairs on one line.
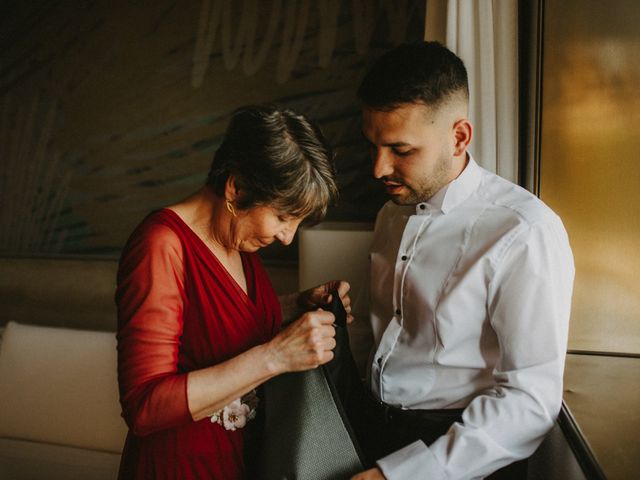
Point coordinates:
[[455, 192]]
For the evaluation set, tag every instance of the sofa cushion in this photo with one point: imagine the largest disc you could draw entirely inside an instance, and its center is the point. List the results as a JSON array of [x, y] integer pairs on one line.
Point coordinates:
[[60, 386], [26, 460]]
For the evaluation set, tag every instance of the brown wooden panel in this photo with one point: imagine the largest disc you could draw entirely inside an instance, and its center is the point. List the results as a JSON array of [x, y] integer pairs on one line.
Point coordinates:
[[589, 173], [603, 395]]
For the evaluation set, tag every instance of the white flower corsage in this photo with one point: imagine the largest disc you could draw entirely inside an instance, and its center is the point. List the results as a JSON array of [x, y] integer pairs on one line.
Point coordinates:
[[237, 413]]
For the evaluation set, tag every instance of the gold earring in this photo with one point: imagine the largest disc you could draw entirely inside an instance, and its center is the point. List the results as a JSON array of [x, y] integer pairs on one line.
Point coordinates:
[[230, 208]]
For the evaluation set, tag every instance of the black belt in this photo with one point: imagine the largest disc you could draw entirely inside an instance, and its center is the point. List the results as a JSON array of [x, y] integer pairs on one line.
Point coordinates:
[[391, 428], [390, 414]]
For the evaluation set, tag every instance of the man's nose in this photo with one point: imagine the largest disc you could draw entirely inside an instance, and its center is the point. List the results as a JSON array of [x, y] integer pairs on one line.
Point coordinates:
[[382, 166]]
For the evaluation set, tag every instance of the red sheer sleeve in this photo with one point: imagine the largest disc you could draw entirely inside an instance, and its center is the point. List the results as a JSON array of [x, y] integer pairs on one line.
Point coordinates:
[[150, 299]]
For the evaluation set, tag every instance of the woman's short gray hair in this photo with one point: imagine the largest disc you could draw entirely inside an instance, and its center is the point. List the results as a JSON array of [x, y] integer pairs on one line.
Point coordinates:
[[279, 159]]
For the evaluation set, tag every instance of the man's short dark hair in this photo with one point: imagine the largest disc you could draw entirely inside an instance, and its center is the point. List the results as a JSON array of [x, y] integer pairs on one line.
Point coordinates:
[[278, 158], [420, 72]]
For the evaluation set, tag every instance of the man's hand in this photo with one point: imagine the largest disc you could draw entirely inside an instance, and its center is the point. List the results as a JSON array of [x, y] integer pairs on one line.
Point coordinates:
[[318, 297], [373, 474]]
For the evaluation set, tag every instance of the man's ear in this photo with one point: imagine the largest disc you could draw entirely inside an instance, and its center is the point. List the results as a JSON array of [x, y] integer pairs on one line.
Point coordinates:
[[462, 133], [230, 189]]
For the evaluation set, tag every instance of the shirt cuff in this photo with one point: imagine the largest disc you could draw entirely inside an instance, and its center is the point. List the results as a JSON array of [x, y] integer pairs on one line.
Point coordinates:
[[413, 461]]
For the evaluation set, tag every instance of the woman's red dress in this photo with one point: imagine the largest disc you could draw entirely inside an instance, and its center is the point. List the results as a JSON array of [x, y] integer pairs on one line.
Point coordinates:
[[179, 310]]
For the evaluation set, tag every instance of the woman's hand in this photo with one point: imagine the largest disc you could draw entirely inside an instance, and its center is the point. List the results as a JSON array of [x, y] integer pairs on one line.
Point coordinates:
[[320, 296], [304, 344]]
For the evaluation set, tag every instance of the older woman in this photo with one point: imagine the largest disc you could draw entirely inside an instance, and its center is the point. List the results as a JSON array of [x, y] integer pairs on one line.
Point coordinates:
[[198, 320]]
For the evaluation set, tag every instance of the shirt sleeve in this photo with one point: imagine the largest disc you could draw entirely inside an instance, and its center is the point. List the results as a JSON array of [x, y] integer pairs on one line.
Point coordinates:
[[150, 300], [529, 301]]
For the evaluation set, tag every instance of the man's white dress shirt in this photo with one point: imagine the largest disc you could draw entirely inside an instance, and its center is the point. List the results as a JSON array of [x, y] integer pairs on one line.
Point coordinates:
[[470, 298]]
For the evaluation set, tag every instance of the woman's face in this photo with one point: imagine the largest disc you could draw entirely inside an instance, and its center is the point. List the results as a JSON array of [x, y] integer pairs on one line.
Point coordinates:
[[260, 226]]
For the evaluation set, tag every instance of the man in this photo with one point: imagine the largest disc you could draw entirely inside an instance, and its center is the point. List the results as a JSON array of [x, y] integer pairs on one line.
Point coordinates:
[[471, 287]]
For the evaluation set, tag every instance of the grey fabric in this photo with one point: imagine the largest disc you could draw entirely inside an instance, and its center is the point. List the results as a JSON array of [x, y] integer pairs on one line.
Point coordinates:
[[304, 434]]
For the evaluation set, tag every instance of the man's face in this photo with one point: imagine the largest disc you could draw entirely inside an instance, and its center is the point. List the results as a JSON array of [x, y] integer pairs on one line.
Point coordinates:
[[412, 150]]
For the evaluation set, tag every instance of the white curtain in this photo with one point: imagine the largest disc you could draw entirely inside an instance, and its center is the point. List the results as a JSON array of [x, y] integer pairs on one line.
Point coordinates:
[[484, 33]]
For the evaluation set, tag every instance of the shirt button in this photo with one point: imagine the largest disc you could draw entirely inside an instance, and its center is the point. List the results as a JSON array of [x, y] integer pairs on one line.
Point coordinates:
[[398, 311], [404, 257], [380, 361], [422, 206]]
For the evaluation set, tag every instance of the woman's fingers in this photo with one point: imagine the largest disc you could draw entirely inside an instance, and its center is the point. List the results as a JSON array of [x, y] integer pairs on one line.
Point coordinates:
[[343, 288], [306, 343], [321, 336], [321, 295]]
